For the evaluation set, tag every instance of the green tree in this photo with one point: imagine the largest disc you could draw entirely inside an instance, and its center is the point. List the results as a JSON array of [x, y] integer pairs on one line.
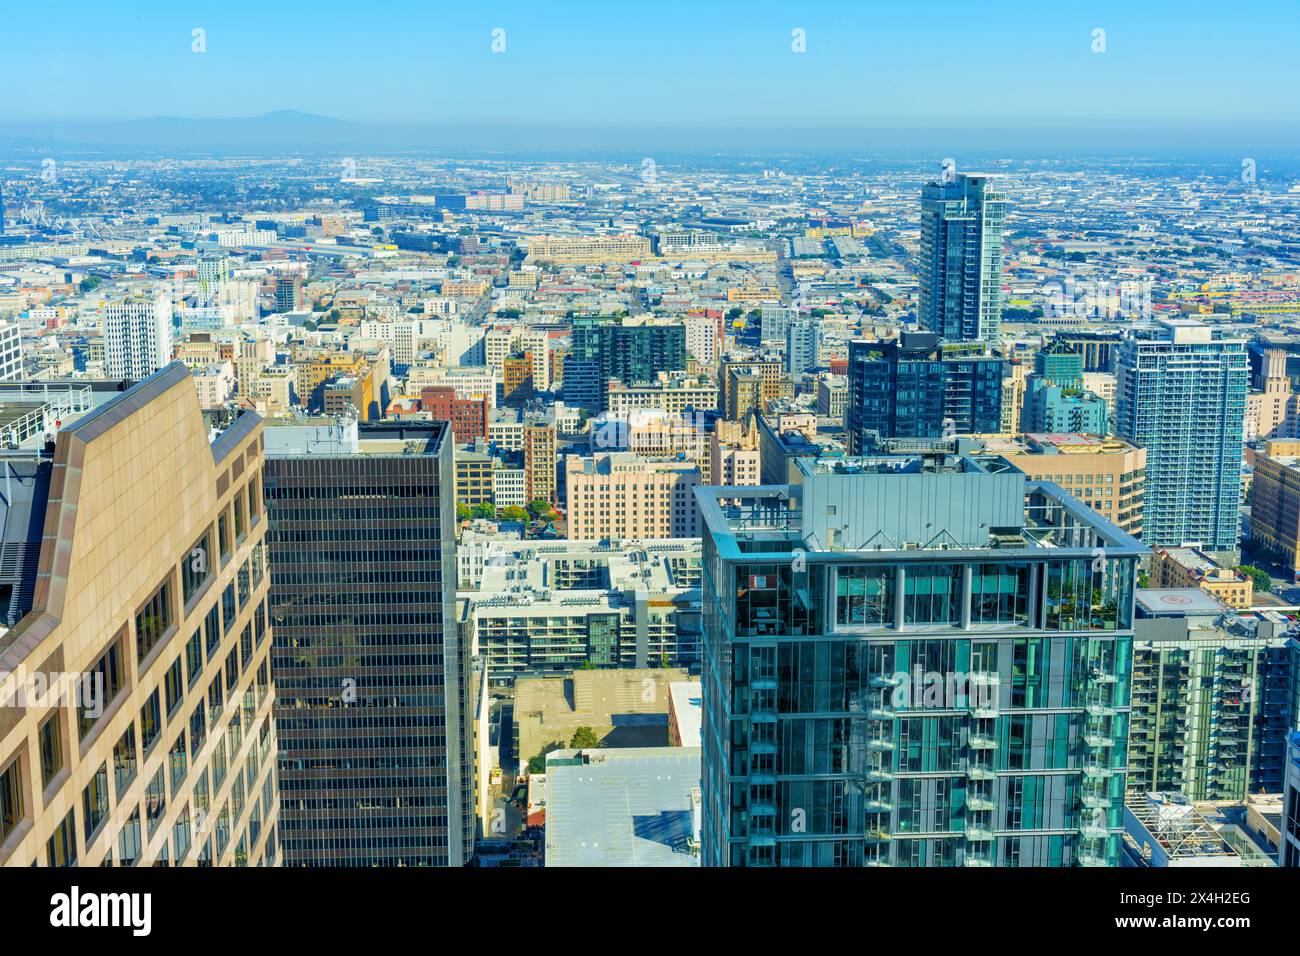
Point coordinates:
[[539, 507], [537, 764], [512, 513], [1258, 577], [583, 738], [485, 509], [463, 511]]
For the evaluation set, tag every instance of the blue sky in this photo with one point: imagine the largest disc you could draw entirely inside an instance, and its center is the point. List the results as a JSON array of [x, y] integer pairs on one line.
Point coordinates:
[[710, 64]]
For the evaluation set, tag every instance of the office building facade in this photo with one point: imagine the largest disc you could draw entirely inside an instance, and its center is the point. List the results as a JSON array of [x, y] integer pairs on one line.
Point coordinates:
[[136, 723], [377, 765]]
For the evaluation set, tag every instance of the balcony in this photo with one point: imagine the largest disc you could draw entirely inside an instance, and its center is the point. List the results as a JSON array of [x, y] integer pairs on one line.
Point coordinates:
[[1093, 859], [877, 834], [1098, 740], [979, 834], [1098, 771], [1093, 831], [979, 804], [980, 773], [878, 806], [887, 680], [973, 860], [984, 713], [983, 742], [880, 745], [879, 775], [1101, 710], [881, 713], [1096, 801]]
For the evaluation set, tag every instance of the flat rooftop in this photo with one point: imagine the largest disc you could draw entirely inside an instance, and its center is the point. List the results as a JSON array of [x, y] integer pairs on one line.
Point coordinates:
[[622, 807], [1178, 602]]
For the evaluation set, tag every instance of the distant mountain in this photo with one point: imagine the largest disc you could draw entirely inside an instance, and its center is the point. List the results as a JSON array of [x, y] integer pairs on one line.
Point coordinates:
[[289, 132]]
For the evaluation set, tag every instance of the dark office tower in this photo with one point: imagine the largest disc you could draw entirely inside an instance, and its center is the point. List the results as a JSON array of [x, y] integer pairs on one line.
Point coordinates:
[[961, 258], [2, 208], [634, 352], [913, 662], [378, 765], [917, 387]]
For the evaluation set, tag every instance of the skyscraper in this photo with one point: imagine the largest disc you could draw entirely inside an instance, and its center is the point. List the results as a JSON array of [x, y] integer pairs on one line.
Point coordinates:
[[1214, 698], [151, 582], [961, 258], [378, 763], [1182, 395], [917, 387], [913, 662], [632, 352], [137, 337], [288, 293]]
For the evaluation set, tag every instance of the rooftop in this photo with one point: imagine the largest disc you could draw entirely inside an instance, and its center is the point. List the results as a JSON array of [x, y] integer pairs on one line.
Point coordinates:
[[635, 807]]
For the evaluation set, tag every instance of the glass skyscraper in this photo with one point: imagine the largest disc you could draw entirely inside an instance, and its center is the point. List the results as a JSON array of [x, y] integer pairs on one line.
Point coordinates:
[[603, 347], [376, 766], [913, 661], [961, 257], [1182, 395], [918, 387]]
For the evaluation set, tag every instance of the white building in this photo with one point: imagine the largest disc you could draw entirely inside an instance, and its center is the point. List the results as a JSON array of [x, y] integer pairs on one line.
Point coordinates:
[[11, 353], [137, 337]]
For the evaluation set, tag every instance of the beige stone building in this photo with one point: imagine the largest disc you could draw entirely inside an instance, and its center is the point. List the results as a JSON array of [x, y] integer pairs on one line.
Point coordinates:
[[1107, 474], [1193, 568], [549, 710], [619, 495], [151, 579]]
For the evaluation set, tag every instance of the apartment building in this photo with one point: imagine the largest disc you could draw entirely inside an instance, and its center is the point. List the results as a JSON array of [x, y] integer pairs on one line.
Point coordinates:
[[619, 495]]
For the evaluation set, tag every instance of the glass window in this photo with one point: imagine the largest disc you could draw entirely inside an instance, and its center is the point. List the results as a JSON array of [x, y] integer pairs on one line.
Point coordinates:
[[11, 799], [215, 700], [254, 500], [124, 761], [107, 678], [223, 830], [181, 836], [177, 760], [196, 567], [219, 763], [232, 669], [63, 843], [155, 800], [246, 646], [153, 621], [198, 729], [932, 594], [228, 607], [242, 578], [223, 535], [174, 684], [212, 628], [94, 802], [259, 562], [150, 721], [194, 657], [128, 840], [238, 508], [864, 596], [51, 748]]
